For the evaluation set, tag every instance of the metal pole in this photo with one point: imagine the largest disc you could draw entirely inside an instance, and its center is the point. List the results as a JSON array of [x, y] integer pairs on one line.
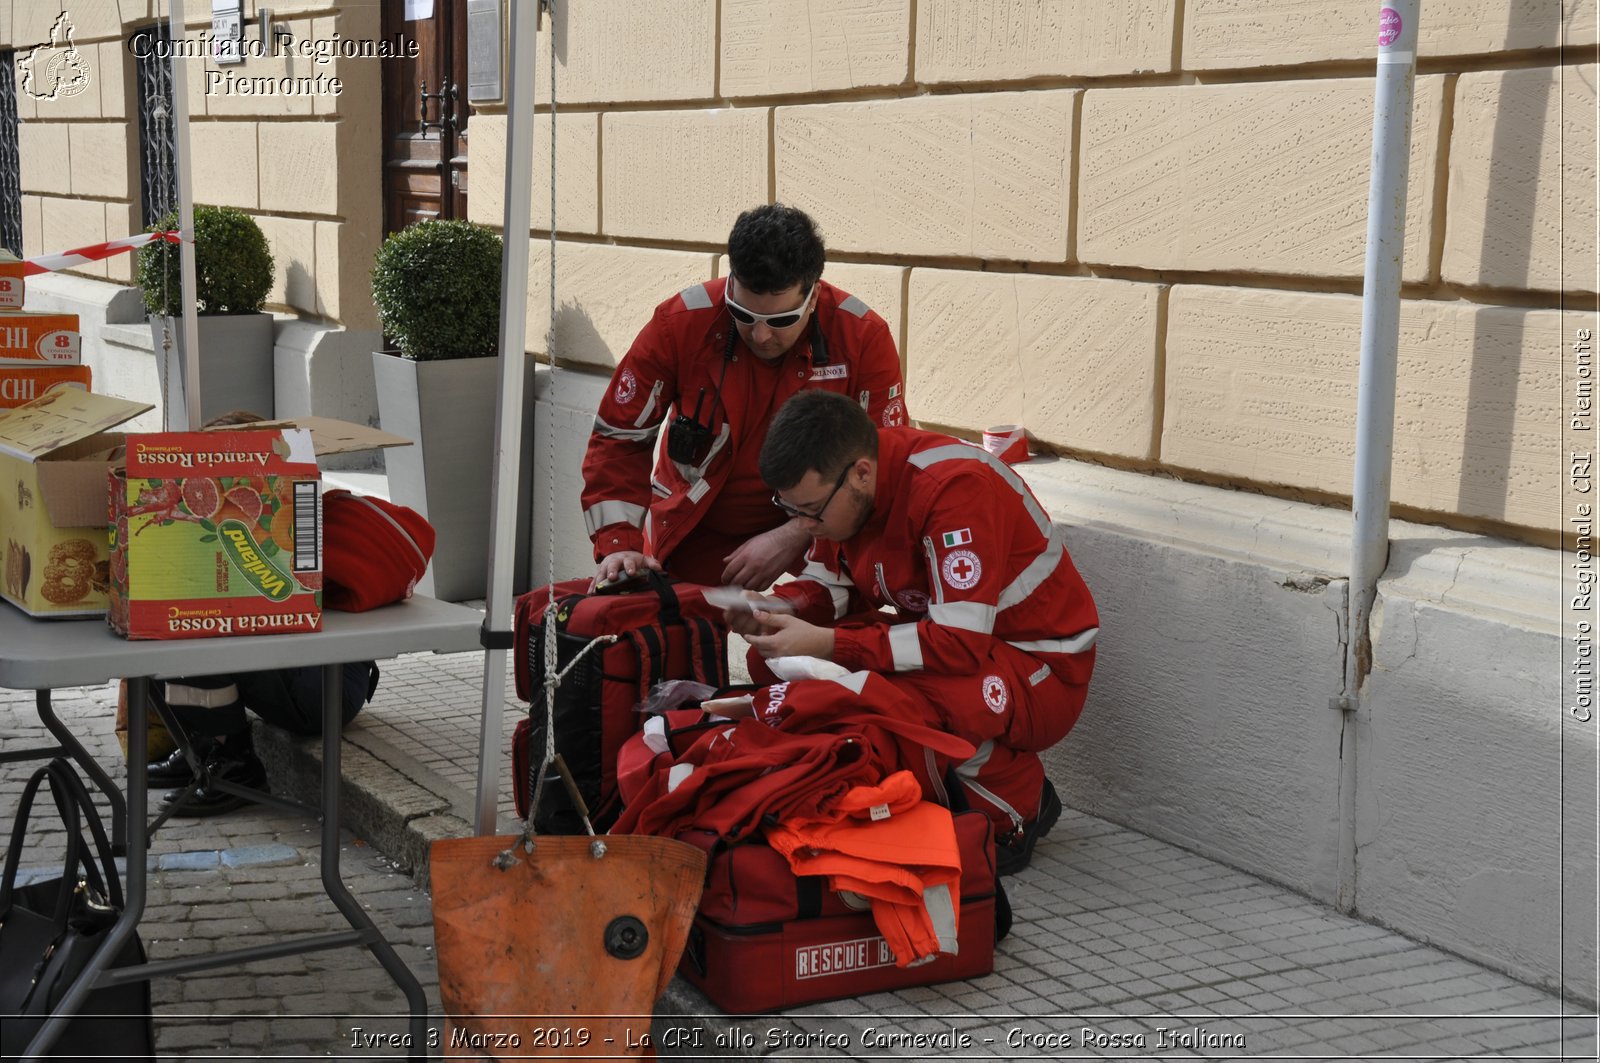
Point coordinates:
[[1380, 340], [508, 418], [188, 336]]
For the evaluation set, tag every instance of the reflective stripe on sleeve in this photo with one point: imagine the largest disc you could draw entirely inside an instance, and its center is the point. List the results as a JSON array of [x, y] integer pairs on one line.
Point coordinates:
[[612, 511], [696, 298], [905, 647], [854, 306], [964, 616], [838, 591], [1037, 571], [965, 452], [1076, 644], [611, 431]]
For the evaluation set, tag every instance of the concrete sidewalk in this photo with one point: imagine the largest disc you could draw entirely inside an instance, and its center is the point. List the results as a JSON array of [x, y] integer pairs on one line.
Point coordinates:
[[1124, 946]]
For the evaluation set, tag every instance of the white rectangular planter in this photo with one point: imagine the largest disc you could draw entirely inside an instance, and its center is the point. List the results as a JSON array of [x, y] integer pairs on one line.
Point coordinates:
[[236, 366], [447, 409]]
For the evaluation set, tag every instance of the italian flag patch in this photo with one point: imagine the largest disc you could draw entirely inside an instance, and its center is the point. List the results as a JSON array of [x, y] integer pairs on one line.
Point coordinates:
[[957, 538]]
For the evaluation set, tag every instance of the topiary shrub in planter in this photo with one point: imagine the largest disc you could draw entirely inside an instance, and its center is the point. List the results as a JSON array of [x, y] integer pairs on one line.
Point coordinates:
[[232, 265], [437, 289], [233, 274]]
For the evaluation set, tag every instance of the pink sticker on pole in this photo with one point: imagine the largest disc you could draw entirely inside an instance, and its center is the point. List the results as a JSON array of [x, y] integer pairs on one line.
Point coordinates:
[[1389, 27]]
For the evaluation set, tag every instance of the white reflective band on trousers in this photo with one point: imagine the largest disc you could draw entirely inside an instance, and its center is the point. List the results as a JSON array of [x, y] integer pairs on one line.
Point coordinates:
[[180, 694]]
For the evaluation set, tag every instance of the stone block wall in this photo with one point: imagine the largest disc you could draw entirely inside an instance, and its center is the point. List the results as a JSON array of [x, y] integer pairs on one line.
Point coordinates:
[[1136, 228], [307, 167]]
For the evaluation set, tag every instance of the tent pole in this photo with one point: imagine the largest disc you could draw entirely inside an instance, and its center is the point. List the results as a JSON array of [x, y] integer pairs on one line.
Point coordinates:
[[496, 635], [1380, 341], [188, 336]]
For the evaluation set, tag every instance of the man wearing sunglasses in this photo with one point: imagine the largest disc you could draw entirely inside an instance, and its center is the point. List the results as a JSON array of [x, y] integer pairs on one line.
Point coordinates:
[[993, 627], [708, 373]]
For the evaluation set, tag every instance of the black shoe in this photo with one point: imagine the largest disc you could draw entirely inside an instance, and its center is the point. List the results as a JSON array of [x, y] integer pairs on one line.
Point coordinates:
[[1016, 852], [240, 767], [173, 769]]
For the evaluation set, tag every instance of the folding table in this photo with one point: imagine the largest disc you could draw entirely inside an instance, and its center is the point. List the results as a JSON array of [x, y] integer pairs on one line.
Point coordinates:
[[42, 655]]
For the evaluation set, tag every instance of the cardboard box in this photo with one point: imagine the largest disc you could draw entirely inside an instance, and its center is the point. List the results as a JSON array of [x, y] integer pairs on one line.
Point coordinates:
[[216, 533], [27, 338], [12, 285], [55, 454], [20, 384]]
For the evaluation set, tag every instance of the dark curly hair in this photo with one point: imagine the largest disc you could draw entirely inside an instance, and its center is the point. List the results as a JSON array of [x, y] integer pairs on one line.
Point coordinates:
[[815, 431], [773, 247]]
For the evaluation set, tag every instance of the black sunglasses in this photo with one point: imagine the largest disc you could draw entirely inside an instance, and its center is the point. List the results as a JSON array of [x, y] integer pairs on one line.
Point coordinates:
[[816, 514]]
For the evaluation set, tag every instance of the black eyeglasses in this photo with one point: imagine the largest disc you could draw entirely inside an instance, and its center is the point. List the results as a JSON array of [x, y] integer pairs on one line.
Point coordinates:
[[816, 514], [772, 321]]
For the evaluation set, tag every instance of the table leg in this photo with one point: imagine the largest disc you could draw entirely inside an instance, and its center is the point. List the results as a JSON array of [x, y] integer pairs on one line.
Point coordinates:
[[133, 880], [333, 883]]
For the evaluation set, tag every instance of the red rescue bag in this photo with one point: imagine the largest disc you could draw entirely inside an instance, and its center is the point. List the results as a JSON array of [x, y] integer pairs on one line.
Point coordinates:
[[809, 945], [666, 631]]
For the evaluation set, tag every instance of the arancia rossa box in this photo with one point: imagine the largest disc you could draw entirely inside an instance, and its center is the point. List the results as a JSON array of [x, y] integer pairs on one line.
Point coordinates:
[[216, 533]]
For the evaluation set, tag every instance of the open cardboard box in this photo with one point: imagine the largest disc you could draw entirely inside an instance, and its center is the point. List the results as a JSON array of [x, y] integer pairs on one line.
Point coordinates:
[[55, 457], [55, 454]]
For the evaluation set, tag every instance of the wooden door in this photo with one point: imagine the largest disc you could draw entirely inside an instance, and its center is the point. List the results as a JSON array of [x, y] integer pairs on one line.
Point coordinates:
[[424, 116]]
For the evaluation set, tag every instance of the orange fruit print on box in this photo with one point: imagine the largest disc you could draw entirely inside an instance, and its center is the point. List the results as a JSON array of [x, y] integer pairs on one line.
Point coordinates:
[[216, 533]]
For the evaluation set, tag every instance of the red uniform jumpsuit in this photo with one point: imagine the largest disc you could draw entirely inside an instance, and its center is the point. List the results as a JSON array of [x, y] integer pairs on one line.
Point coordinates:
[[995, 626], [691, 516]]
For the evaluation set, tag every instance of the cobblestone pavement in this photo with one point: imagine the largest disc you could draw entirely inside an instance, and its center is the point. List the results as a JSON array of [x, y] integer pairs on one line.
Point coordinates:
[[1124, 946]]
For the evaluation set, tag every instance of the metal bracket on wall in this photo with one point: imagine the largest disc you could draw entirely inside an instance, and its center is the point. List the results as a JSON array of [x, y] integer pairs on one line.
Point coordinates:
[[271, 32]]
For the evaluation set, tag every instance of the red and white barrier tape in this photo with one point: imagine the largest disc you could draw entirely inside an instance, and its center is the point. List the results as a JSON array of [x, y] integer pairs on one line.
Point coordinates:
[[93, 253], [1008, 442]]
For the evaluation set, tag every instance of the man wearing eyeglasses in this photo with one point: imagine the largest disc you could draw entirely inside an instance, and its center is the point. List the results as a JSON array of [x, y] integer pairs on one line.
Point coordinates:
[[714, 364], [992, 625]]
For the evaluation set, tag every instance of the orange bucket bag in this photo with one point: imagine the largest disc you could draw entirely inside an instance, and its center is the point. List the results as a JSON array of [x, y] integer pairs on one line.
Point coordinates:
[[559, 946], [561, 951]]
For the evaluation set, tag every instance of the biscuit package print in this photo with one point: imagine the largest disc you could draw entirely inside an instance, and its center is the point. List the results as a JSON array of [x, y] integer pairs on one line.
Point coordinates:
[[55, 453], [216, 533]]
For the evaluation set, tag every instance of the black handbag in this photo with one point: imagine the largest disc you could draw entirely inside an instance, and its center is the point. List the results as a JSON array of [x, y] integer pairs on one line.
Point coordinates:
[[50, 929]]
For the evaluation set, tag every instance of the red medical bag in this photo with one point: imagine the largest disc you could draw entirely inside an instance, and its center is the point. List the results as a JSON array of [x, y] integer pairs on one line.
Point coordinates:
[[766, 939], [665, 631]]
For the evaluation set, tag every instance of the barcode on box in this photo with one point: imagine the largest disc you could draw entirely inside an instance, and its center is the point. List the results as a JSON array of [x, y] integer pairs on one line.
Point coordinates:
[[307, 526]]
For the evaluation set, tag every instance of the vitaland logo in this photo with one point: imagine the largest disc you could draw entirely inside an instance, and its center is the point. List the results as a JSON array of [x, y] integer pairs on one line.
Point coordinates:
[[54, 70]]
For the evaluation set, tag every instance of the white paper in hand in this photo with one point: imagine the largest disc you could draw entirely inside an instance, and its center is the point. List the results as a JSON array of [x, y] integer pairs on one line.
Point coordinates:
[[734, 598]]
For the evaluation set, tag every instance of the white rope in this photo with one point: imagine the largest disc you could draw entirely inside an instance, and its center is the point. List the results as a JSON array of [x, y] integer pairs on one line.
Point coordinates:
[[163, 115], [550, 451], [553, 678]]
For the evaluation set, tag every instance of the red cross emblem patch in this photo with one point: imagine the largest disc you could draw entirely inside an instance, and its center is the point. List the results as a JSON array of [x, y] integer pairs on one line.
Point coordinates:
[[961, 569], [994, 693]]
